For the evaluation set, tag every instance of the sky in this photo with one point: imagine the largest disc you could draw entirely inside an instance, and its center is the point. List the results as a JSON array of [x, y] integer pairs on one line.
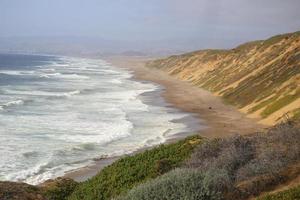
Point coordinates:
[[182, 23]]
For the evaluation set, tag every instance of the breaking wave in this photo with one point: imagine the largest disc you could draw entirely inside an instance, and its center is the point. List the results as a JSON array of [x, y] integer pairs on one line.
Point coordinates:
[[11, 103], [76, 110]]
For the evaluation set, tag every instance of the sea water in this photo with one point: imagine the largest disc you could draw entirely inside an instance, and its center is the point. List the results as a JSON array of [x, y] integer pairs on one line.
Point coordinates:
[[59, 113]]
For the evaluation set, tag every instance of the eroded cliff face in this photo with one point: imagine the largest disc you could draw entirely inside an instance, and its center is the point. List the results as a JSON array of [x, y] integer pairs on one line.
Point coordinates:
[[261, 78]]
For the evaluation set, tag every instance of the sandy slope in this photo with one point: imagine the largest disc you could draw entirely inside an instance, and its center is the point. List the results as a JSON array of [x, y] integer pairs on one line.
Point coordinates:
[[222, 120], [261, 78]]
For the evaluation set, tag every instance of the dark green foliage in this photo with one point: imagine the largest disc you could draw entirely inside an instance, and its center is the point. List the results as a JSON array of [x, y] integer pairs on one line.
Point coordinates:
[[59, 189], [163, 166], [290, 194], [128, 172], [180, 184]]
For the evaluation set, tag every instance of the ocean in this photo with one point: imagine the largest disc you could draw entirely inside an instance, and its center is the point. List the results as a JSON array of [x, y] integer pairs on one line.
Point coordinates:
[[58, 114]]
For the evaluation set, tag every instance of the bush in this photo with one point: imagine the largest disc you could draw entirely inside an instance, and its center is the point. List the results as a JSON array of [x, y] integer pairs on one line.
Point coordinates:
[[130, 171], [275, 151], [218, 180], [185, 184], [228, 154], [163, 166], [260, 157], [20, 191], [231, 168], [256, 185], [59, 189]]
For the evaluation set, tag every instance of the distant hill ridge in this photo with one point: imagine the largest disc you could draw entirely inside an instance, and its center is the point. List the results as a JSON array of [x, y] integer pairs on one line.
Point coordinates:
[[261, 78]]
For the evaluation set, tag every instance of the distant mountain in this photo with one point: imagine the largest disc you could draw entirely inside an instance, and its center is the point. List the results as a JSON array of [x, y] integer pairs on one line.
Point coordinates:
[[261, 78]]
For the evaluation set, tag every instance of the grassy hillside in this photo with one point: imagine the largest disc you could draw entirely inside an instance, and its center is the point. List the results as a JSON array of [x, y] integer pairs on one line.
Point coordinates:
[[234, 168], [261, 78], [231, 168], [130, 171]]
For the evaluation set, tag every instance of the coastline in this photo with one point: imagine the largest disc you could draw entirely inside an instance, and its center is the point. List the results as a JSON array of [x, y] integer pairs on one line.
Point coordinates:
[[218, 120], [154, 98], [221, 119]]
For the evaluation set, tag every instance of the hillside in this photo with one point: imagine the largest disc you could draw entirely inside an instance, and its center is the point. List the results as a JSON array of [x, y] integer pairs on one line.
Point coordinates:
[[264, 164], [261, 78]]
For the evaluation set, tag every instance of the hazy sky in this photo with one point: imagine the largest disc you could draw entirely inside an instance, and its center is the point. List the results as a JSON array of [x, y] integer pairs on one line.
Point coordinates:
[[211, 22]]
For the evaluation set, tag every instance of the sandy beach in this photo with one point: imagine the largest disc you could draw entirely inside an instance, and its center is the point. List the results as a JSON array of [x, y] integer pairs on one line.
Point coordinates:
[[220, 120]]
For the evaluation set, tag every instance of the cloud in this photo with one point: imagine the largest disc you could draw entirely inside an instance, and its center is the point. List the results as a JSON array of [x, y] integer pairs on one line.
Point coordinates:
[[200, 21]]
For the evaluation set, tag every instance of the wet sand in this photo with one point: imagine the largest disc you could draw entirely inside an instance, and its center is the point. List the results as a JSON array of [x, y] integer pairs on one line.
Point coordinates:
[[220, 120]]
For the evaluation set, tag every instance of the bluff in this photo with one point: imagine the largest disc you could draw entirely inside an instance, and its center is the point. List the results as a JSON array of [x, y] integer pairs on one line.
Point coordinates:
[[261, 78]]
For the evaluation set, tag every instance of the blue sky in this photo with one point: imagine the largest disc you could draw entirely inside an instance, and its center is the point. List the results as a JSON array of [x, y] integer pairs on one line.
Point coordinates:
[[211, 22]]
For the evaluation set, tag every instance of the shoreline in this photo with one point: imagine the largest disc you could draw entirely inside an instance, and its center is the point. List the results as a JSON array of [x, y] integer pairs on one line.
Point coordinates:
[[154, 98], [217, 119], [222, 120]]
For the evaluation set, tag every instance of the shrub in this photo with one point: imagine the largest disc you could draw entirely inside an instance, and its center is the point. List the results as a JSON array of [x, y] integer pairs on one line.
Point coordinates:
[[59, 189], [130, 171], [260, 158], [231, 168], [163, 166], [275, 150], [19, 191], [228, 154], [254, 186], [180, 184], [218, 181]]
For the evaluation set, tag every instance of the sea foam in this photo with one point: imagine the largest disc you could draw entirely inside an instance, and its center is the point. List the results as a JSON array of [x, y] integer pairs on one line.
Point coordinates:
[[77, 110], [11, 103]]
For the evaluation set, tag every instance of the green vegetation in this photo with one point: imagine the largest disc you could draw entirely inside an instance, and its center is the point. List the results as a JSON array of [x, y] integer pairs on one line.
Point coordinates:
[[290, 194], [230, 168], [130, 171], [296, 114], [250, 164], [19, 191], [263, 104], [263, 72], [192, 169], [275, 39], [259, 71], [262, 85], [175, 185], [59, 189], [280, 103]]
